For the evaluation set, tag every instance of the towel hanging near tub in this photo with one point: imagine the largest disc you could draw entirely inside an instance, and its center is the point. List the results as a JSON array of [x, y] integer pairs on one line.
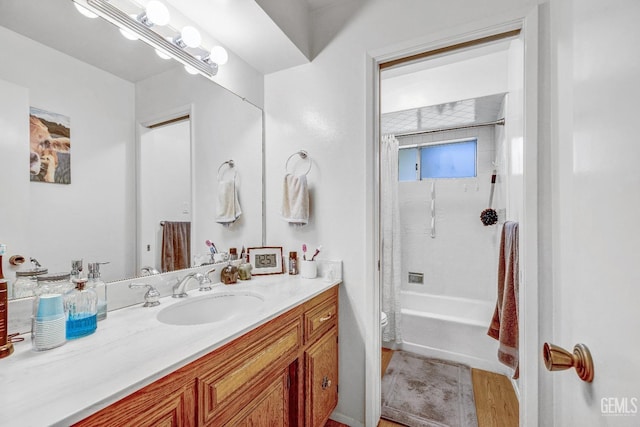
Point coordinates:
[[504, 324]]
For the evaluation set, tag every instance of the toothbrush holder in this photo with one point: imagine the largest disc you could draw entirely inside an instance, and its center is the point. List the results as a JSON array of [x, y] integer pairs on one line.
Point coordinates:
[[308, 269]]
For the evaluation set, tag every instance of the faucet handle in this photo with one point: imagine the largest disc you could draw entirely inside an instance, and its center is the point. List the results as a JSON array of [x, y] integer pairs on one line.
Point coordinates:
[[205, 281], [151, 298]]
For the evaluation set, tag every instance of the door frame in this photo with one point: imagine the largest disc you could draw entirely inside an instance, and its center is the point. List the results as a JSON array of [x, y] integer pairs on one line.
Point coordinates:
[[527, 23]]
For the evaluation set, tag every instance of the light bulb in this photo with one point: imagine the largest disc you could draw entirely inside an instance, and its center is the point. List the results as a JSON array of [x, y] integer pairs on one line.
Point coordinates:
[[157, 12], [84, 11], [190, 36], [129, 35], [219, 55], [189, 69], [162, 55]]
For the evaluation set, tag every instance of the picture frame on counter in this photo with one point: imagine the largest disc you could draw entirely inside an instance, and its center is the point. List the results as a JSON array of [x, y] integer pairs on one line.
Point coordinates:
[[266, 260]]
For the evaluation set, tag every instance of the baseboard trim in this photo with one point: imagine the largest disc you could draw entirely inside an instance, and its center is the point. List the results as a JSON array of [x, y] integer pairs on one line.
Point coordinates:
[[341, 418]]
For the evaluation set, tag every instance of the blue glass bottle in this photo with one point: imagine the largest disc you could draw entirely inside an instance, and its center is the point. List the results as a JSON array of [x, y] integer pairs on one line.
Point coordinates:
[[81, 308]]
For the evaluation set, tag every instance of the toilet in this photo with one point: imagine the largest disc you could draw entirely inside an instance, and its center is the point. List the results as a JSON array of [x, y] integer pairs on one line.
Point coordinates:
[[383, 321]]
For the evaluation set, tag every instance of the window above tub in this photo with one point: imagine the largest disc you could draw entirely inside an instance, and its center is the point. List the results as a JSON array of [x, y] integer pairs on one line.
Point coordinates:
[[451, 159]]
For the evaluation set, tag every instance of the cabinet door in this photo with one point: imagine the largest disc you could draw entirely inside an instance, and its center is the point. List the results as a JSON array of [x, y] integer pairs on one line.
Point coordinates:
[[269, 409], [321, 376], [159, 405]]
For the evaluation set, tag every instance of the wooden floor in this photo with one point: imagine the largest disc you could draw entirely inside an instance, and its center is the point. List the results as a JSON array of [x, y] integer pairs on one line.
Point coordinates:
[[496, 402]]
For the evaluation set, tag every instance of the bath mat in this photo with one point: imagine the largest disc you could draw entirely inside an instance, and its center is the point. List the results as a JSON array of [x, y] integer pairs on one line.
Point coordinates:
[[419, 391]]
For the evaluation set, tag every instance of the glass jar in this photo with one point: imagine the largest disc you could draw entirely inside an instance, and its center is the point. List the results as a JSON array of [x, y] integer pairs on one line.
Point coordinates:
[[55, 283], [26, 282], [293, 263]]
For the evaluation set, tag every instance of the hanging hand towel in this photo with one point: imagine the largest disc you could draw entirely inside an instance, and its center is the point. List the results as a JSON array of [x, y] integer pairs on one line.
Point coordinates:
[[228, 209], [295, 199], [504, 325]]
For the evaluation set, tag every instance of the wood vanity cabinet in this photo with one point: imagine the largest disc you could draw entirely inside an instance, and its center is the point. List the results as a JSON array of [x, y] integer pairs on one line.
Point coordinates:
[[283, 373]]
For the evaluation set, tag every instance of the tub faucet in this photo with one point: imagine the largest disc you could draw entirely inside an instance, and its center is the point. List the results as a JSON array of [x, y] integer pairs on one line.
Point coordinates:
[[203, 281]]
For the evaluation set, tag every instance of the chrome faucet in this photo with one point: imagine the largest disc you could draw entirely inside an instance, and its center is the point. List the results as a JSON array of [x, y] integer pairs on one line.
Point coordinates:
[[203, 281]]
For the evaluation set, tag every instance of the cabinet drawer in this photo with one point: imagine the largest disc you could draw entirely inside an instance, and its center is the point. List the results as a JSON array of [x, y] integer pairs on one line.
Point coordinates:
[[319, 319]]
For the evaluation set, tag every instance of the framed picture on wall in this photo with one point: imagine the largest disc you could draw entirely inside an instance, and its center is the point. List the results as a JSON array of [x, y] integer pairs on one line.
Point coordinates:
[[266, 260], [50, 146]]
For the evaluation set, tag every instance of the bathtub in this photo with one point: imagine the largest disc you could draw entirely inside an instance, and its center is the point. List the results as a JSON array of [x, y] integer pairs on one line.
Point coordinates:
[[450, 328]]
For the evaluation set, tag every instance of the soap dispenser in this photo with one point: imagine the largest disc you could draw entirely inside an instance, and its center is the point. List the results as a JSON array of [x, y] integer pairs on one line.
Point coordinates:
[[76, 269], [97, 284], [81, 309]]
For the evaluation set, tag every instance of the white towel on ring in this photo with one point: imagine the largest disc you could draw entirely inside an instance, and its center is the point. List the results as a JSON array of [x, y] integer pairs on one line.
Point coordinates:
[[295, 199], [228, 209]]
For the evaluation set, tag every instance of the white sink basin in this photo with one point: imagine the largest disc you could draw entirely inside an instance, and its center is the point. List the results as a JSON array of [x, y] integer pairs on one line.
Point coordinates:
[[212, 308]]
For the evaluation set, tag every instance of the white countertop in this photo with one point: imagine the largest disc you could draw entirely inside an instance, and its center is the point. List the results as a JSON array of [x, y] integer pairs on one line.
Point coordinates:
[[129, 350]]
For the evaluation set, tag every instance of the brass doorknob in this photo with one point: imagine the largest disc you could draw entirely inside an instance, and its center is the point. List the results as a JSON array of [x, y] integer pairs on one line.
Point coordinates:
[[558, 359]]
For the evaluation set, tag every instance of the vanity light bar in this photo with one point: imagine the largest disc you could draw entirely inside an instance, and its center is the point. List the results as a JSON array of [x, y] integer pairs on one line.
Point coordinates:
[[122, 20]]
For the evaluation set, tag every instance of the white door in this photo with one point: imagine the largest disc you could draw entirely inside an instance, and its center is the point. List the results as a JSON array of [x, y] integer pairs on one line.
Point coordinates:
[[596, 207]]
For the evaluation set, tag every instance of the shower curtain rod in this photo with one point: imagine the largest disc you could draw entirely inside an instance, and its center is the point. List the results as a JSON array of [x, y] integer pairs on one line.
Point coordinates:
[[499, 122]]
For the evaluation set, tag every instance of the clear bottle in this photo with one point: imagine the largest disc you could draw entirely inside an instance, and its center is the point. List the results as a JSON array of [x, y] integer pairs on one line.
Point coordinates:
[[97, 284], [293, 263], [81, 309], [26, 283]]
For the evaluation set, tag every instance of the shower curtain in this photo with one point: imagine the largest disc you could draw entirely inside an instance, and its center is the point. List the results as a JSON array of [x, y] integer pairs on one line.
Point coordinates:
[[390, 225]]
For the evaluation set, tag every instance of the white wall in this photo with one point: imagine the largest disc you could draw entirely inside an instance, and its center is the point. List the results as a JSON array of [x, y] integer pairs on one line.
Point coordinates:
[[461, 261], [224, 127], [323, 107], [101, 110], [466, 79]]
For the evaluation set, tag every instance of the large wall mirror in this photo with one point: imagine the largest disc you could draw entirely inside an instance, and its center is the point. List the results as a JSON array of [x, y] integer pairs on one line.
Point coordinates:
[[129, 114]]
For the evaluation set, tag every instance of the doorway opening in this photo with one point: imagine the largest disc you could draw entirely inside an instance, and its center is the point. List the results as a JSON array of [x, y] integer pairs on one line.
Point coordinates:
[[164, 195], [451, 146]]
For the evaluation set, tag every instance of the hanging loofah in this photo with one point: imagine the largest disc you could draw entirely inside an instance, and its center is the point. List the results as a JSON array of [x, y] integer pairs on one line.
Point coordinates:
[[489, 216]]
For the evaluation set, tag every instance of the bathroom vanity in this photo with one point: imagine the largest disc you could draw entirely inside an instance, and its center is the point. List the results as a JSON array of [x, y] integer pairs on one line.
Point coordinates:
[[277, 364]]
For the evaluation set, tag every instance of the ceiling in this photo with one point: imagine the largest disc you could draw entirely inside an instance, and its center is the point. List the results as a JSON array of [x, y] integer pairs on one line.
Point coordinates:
[[245, 28], [57, 24], [443, 116], [242, 26]]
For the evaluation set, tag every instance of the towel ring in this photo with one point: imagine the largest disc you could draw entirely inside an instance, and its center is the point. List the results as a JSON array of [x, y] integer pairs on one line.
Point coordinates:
[[303, 155], [231, 165]]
